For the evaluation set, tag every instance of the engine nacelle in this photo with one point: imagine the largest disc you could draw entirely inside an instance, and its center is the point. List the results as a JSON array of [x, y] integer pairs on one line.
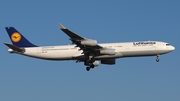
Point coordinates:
[[108, 61], [96, 63], [89, 42], [108, 51]]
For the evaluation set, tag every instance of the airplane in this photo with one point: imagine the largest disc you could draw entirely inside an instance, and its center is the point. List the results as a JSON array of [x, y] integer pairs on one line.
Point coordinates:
[[86, 50]]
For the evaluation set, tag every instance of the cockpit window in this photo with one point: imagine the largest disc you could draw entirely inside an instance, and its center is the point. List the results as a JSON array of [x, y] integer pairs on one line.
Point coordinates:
[[167, 44]]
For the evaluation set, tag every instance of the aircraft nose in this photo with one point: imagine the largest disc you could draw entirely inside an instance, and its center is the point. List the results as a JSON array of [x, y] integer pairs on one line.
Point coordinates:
[[170, 48], [173, 48]]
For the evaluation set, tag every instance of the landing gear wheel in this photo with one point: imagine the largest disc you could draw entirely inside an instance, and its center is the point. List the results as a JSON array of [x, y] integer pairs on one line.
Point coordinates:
[[92, 66], [88, 68], [157, 59]]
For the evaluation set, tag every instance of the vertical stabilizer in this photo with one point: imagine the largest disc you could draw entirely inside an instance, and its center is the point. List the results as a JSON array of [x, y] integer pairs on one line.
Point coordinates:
[[17, 38]]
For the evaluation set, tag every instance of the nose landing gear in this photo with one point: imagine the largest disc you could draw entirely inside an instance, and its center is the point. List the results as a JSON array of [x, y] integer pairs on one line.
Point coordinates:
[[157, 58]]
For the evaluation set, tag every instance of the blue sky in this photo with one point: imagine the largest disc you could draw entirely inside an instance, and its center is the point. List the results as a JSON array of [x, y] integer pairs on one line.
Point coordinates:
[[131, 79]]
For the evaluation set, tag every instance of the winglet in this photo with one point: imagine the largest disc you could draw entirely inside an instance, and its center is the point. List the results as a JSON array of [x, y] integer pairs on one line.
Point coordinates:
[[61, 26], [72, 35]]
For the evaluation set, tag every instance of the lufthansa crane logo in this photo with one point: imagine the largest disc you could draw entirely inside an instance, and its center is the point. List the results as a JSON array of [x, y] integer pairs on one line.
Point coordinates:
[[15, 37]]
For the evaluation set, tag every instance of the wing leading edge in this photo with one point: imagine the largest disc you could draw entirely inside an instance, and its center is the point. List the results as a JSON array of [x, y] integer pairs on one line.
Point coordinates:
[[87, 45], [90, 49], [71, 34]]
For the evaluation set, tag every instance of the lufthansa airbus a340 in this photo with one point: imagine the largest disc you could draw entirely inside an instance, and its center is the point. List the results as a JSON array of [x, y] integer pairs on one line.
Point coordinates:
[[86, 50]]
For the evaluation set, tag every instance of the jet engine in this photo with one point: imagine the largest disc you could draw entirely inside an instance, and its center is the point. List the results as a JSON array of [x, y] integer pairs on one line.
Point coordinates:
[[108, 61], [89, 42], [107, 51], [96, 63]]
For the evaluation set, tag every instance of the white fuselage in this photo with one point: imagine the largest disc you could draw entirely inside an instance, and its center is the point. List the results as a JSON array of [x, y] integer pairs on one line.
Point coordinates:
[[123, 49]]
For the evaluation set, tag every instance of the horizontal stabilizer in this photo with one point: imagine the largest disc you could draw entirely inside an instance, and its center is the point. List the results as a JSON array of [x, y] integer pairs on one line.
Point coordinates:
[[15, 48]]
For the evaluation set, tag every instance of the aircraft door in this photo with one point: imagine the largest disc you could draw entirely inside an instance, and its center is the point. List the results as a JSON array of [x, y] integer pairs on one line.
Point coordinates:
[[127, 47], [39, 51], [156, 46]]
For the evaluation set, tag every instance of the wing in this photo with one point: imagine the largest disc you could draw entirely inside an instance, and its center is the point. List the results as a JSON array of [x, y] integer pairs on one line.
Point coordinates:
[[87, 45], [72, 35]]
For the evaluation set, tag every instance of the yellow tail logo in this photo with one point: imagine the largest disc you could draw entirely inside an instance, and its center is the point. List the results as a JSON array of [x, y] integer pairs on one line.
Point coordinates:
[[15, 37]]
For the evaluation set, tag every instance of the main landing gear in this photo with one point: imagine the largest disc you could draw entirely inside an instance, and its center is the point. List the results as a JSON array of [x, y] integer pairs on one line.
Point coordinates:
[[89, 67], [157, 58], [89, 62]]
